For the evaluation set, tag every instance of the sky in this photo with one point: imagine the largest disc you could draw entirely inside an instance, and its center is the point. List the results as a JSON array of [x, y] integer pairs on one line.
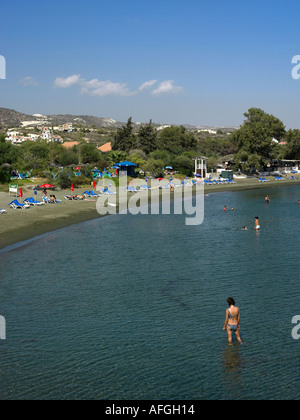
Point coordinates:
[[175, 62]]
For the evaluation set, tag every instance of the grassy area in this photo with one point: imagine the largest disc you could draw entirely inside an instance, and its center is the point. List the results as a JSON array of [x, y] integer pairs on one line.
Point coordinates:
[[20, 182]]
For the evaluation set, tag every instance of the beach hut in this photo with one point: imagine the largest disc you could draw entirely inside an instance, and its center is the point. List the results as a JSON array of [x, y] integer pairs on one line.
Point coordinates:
[[128, 167]]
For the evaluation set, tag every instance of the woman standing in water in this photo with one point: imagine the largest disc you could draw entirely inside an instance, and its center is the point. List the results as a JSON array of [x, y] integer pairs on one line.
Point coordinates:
[[232, 321], [257, 224]]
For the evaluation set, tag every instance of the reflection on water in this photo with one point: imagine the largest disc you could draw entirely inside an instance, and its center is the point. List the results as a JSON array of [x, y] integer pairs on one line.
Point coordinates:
[[233, 370]]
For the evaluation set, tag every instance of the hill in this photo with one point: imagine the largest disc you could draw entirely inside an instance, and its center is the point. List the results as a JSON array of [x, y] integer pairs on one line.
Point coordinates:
[[12, 118]]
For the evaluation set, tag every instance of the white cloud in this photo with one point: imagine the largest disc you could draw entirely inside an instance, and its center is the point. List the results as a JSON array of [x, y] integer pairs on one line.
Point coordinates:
[[167, 87], [67, 82], [147, 85], [96, 87], [29, 81]]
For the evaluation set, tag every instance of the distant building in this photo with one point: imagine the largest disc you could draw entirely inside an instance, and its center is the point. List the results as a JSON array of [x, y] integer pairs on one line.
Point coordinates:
[[66, 128], [56, 139], [105, 148], [283, 166], [70, 144]]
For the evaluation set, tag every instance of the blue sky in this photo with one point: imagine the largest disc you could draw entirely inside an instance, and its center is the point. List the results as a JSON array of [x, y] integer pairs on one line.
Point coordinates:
[[196, 62]]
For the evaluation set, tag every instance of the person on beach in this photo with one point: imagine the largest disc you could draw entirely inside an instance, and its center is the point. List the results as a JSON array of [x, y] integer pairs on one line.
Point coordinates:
[[257, 224], [232, 321]]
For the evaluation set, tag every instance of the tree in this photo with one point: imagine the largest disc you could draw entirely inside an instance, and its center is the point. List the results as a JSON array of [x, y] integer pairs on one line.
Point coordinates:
[[8, 152], [33, 155], [124, 140], [89, 153], [293, 145], [254, 140], [147, 138], [177, 140]]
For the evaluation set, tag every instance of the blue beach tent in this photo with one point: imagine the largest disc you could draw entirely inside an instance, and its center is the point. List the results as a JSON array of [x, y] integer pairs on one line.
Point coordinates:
[[126, 166]]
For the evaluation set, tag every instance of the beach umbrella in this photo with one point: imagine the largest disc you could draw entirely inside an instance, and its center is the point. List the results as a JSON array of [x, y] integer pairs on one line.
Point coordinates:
[[35, 191], [47, 186], [21, 193], [72, 187], [94, 184]]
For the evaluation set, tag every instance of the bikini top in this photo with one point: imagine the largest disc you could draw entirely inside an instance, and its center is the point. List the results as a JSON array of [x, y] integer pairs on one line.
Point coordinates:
[[233, 316]]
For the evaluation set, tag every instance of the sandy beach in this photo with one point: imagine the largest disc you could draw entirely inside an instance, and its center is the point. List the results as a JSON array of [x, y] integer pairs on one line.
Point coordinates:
[[21, 225]]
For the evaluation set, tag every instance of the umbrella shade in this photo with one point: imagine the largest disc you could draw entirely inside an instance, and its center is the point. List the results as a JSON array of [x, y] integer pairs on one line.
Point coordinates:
[[47, 186], [72, 187], [21, 193], [169, 167], [159, 179]]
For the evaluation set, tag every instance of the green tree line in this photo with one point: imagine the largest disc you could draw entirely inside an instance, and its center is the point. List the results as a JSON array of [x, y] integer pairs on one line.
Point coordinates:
[[250, 147]]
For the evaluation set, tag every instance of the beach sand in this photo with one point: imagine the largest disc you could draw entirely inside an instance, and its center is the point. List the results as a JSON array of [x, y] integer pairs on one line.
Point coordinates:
[[21, 225]]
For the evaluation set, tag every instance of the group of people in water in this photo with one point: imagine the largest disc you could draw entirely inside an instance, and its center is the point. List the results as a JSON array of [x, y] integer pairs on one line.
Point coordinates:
[[233, 314]]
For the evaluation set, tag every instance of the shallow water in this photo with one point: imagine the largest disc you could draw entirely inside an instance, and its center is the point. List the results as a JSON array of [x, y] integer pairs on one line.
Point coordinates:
[[132, 307]]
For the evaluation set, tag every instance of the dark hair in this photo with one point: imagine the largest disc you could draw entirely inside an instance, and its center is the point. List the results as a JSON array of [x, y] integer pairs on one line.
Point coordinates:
[[231, 302]]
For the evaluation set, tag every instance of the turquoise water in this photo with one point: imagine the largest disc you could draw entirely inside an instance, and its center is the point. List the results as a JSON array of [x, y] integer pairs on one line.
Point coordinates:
[[132, 307]]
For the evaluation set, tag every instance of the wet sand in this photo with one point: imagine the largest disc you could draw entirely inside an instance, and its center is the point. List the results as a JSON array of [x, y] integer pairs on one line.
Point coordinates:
[[21, 225]]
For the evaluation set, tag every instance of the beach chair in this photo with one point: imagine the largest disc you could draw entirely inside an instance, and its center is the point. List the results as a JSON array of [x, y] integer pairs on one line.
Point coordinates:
[[93, 194], [3, 211], [16, 205], [87, 194], [32, 202], [107, 192]]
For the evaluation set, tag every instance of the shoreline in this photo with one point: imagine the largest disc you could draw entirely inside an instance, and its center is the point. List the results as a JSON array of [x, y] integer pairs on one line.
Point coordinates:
[[19, 226]]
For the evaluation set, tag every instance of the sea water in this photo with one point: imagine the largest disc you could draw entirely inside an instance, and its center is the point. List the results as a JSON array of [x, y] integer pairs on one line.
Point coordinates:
[[133, 307]]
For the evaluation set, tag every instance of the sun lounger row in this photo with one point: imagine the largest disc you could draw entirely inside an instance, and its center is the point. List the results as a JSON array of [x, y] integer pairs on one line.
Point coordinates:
[[29, 202], [218, 182], [16, 205]]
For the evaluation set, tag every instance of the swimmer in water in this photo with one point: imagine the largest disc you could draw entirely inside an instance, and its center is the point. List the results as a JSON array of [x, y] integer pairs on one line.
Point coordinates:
[[245, 228], [225, 208], [267, 199], [257, 224], [232, 321]]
